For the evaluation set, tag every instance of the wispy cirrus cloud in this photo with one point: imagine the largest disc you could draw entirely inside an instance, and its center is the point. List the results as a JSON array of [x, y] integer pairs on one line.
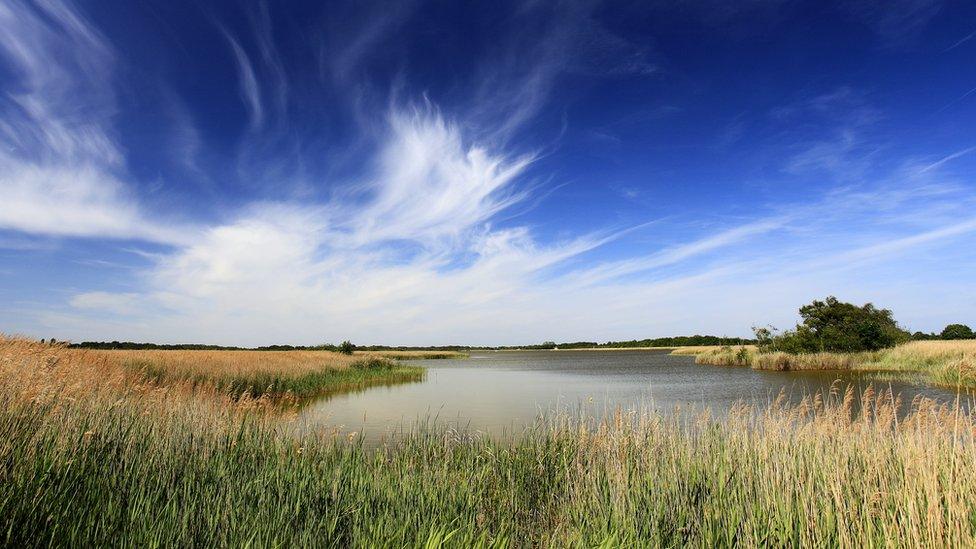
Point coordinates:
[[896, 22], [307, 272], [60, 167], [429, 184], [250, 90], [418, 245], [547, 41], [960, 42], [50, 115]]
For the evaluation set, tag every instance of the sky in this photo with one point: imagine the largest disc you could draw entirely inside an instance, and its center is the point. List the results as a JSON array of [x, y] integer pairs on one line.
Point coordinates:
[[428, 173]]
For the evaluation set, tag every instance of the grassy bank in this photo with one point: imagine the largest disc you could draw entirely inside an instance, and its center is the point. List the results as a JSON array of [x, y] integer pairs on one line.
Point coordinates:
[[269, 374], [703, 349], [91, 457], [942, 363]]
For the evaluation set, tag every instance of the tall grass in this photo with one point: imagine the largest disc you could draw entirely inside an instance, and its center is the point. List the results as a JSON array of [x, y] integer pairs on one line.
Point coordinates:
[[92, 455], [942, 363], [275, 374], [947, 363], [700, 349]]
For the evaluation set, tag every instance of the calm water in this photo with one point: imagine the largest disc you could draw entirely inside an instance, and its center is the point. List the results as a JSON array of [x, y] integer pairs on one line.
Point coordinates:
[[499, 392]]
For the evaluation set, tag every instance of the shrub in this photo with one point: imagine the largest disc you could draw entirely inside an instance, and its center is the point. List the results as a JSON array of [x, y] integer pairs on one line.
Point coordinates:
[[957, 331], [832, 325], [346, 347]]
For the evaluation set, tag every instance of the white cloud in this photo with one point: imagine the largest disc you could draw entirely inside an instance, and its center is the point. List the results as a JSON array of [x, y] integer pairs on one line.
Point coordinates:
[[59, 165], [53, 114], [250, 90], [430, 184], [307, 273], [74, 200], [415, 253], [117, 303]]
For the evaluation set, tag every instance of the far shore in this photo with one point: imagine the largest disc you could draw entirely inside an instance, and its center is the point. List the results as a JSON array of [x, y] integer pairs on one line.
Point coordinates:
[[678, 350]]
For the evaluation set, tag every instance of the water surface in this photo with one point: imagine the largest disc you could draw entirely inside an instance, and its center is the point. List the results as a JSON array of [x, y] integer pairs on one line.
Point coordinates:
[[500, 392]]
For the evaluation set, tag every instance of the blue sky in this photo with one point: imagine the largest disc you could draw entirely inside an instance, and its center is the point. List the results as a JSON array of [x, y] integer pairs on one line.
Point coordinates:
[[483, 173]]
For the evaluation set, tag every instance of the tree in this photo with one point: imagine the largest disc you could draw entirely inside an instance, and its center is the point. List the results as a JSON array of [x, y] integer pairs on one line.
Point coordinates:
[[346, 347], [957, 331], [832, 325]]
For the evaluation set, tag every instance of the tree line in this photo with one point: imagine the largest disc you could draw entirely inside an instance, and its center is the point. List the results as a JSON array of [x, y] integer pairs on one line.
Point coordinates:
[[952, 331], [829, 325], [344, 347], [674, 341]]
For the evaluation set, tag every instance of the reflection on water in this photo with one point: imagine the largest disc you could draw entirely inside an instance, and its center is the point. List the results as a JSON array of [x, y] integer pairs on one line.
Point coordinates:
[[357, 387], [500, 392]]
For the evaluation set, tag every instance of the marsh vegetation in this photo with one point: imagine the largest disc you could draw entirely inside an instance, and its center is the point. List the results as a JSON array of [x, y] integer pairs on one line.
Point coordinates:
[[94, 453], [834, 335], [269, 375], [950, 364]]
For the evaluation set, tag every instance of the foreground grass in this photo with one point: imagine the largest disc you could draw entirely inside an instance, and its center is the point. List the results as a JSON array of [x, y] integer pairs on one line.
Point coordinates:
[[941, 363], [87, 457]]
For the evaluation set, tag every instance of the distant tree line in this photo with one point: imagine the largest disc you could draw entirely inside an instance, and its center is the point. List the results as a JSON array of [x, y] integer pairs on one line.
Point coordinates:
[[829, 325], [344, 347], [130, 345], [675, 341], [348, 347], [952, 331]]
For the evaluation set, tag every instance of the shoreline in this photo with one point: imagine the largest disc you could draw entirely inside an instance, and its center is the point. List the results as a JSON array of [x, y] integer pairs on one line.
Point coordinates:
[[74, 423], [949, 364]]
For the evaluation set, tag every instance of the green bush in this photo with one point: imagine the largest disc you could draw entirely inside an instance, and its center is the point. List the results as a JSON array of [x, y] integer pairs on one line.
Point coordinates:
[[832, 325], [957, 331]]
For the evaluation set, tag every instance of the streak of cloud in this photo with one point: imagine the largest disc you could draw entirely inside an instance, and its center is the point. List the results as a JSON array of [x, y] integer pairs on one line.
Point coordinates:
[[419, 244]]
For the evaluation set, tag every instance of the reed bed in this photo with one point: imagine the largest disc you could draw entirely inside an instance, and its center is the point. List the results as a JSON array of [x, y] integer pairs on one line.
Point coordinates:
[[290, 374], [90, 455], [942, 363], [946, 363], [700, 349], [272, 374], [812, 361]]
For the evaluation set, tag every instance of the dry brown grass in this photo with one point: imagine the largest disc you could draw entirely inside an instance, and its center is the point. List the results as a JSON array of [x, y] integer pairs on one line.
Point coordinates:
[[944, 363], [933, 351], [43, 374], [225, 364], [699, 349], [272, 374], [812, 361]]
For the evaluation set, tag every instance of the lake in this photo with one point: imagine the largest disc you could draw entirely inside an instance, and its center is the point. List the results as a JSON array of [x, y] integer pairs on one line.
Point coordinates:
[[500, 392]]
